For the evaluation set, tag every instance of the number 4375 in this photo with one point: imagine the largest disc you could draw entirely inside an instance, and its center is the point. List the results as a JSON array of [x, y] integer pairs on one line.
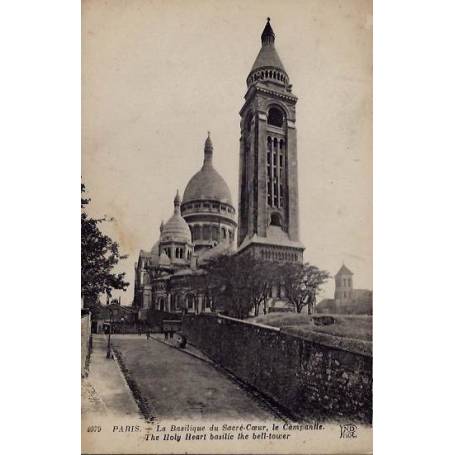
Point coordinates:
[[93, 429]]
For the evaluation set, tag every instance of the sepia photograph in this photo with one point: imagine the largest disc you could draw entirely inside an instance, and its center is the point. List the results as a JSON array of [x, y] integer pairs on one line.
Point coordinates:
[[246, 201], [226, 227]]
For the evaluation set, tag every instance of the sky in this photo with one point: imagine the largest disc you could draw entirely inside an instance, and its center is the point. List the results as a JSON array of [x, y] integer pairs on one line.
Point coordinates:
[[157, 75]]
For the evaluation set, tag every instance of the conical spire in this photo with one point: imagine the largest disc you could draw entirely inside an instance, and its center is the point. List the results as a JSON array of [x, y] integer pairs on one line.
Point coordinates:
[[267, 60], [161, 226], [208, 149], [268, 37], [177, 202]]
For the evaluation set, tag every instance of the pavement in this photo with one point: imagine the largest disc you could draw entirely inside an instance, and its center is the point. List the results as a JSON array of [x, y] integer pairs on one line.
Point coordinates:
[[184, 384], [174, 343], [105, 392]]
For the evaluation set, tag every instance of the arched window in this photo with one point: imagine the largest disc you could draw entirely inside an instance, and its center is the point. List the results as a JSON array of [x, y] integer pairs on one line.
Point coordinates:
[[275, 219], [179, 302], [215, 233], [206, 232], [196, 232], [223, 232], [275, 117]]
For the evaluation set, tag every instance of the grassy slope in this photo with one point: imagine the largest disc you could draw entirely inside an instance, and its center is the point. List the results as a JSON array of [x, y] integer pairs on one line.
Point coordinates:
[[349, 326]]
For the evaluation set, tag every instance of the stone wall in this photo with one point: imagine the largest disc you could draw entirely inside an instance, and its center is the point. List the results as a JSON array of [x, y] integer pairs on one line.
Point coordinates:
[[312, 376], [85, 342], [155, 319]]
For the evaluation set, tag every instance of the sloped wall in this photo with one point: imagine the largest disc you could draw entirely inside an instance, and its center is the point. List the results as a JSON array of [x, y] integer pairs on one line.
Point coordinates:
[[310, 378]]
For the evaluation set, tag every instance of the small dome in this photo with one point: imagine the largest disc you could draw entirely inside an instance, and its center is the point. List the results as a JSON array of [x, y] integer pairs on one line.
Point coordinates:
[[207, 184], [176, 229], [155, 254], [164, 259]]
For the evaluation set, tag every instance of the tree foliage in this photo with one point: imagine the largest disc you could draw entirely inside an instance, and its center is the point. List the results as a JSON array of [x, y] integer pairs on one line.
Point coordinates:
[[228, 283], [240, 282], [243, 282], [262, 275], [302, 283], [99, 256]]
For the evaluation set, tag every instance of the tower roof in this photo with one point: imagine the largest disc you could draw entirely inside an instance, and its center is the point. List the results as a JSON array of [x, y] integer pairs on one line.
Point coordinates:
[[268, 56], [207, 184], [344, 271]]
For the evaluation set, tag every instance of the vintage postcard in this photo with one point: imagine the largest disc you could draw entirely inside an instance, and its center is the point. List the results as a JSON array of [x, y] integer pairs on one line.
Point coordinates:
[[226, 227]]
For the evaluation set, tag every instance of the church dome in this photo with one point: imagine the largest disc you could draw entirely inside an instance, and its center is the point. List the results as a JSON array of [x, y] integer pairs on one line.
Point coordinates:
[[207, 184], [176, 229], [155, 254]]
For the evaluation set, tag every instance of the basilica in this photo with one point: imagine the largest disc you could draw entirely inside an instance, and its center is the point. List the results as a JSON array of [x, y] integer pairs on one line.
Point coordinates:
[[204, 222]]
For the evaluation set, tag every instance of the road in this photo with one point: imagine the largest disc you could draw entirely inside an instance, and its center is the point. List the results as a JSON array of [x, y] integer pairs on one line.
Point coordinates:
[[176, 385]]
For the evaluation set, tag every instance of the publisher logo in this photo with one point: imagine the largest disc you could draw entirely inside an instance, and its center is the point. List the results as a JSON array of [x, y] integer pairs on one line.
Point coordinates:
[[348, 431]]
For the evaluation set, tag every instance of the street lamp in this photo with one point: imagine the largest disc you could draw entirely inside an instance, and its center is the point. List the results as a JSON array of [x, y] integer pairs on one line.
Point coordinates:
[[108, 353]]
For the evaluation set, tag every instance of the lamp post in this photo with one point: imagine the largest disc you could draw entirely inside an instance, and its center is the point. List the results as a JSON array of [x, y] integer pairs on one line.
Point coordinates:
[[108, 353]]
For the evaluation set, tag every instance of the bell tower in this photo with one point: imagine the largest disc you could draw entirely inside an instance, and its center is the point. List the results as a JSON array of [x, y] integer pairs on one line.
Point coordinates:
[[268, 186]]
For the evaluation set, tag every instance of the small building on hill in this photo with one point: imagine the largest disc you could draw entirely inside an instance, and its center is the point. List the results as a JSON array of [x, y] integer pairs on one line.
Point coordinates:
[[347, 300]]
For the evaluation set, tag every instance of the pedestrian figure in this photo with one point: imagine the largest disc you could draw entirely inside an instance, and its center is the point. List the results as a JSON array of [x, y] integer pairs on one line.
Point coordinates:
[[165, 334], [182, 341]]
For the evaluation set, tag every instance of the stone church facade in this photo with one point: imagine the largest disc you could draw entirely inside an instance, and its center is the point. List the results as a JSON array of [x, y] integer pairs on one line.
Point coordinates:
[[347, 300], [204, 222]]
